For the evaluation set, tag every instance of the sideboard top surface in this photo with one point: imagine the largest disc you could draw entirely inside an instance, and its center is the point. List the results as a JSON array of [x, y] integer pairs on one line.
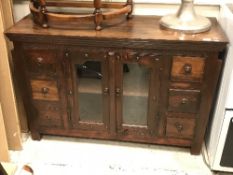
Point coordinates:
[[140, 28]]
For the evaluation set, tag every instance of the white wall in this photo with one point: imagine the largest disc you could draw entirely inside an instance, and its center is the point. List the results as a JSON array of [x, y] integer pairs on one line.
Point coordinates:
[[145, 7]]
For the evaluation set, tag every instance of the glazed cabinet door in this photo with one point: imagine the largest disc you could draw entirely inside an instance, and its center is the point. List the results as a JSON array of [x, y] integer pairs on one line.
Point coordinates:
[[88, 101], [137, 89]]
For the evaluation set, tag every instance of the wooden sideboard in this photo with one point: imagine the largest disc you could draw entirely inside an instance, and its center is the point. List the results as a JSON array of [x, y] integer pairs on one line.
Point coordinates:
[[132, 81]]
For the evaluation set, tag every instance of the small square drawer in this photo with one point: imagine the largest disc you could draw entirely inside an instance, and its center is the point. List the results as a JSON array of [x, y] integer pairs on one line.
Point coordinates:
[[42, 56], [44, 90], [41, 62], [180, 127], [183, 100], [187, 68], [48, 113]]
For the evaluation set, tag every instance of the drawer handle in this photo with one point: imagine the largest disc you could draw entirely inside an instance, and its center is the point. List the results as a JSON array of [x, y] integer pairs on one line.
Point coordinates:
[[86, 55], [39, 59], [187, 69], [45, 90], [184, 101], [111, 53], [67, 54], [118, 91], [179, 127], [106, 90]]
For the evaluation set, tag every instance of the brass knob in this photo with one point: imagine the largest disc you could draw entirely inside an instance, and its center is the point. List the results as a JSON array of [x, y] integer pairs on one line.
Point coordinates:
[[184, 101], [118, 91], [86, 55], [70, 92], [111, 53], [106, 90], [179, 127], [67, 54], [39, 59], [187, 68], [138, 58], [45, 90]]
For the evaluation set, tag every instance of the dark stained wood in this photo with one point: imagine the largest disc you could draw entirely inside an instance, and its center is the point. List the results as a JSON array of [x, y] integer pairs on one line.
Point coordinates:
[[184, 70], [150, 61], [141, 32], [78, 56], [49, 114], [183, 100], [44, 90], [180, 128], [212, 73], [163, 96], [180, 115], [111, 55], [187, 68], [46, 86], [106, 136]]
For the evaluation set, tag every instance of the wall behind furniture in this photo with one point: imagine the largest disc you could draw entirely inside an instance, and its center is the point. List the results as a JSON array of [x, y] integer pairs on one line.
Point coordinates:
[[10, 128]]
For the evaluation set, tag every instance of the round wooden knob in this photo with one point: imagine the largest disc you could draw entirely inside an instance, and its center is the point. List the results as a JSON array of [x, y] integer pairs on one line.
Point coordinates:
[[106, 90], [39, 59], [67, 54], [45, 90], [184, 101], [118, 91], [179, 127], [187, 68], [111, 53]]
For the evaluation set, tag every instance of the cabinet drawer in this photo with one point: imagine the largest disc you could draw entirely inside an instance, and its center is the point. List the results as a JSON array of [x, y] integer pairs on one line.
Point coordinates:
[[183, 100], [180, 127], [41, 62], [140, 56], [187, 68], [88, 53], [48, 113], [44, 90]]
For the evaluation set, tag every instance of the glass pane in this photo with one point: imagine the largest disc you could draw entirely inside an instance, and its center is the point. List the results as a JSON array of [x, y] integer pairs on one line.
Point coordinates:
[[135, 94], [90, 98]]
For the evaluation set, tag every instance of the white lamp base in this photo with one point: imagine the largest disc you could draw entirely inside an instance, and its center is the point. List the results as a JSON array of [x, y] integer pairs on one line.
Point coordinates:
[[186, 20]]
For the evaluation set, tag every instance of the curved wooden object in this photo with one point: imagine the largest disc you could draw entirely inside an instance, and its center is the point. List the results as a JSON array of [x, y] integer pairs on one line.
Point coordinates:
[[45, 18]]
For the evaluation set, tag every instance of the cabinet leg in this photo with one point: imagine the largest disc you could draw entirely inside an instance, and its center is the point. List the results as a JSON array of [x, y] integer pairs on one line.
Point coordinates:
[[35, 135], [195, 150]]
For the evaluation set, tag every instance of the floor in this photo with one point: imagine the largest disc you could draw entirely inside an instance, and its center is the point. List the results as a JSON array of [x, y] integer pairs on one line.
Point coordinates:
[[60, 156]]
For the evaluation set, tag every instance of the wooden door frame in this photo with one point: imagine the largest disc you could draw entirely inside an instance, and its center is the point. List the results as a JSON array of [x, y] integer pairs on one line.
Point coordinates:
[[79, 125], [10, 121]]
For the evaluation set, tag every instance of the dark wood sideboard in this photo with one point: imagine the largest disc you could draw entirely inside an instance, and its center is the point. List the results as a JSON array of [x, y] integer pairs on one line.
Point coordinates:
[[132, 81]]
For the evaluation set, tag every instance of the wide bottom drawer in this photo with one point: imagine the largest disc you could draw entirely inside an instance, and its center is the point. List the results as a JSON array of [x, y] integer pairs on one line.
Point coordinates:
[[49, 114]]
